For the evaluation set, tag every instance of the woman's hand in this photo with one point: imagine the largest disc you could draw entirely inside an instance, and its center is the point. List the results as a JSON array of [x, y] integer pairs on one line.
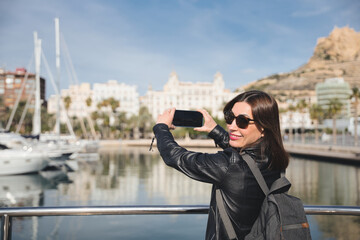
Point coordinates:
[[167, 118], [209, 123]]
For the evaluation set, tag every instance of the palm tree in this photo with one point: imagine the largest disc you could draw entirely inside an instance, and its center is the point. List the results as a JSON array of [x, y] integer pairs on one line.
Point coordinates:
[[122, 126], [47, 120], [3, 111], [316, 114], [355, 95], [114, 104], [302, 105], [145, 121], [88, 102], [67, 102], [334, 108]]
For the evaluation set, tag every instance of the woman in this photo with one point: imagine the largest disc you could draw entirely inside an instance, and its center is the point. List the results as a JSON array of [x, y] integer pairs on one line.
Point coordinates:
[[253, 122]]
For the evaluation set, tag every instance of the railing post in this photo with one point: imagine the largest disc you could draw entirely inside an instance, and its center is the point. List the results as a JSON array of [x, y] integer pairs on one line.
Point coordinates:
[[6, 223]]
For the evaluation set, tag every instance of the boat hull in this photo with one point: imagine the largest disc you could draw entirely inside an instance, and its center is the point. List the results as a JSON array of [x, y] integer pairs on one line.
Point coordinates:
[[19, 162]]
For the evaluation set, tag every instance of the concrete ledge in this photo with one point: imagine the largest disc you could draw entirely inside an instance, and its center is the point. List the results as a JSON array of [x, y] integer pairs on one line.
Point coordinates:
[[322, 152], [325, 152]]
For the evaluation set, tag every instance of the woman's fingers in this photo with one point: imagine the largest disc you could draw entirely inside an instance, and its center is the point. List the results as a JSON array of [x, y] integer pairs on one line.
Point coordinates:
[[167, 117], [209, 123]]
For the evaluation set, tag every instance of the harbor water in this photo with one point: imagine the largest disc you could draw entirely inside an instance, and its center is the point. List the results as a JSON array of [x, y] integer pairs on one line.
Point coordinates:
[[135, 176]]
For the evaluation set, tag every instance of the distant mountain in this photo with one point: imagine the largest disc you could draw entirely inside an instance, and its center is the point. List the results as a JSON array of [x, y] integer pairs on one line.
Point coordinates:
[[337, 55]]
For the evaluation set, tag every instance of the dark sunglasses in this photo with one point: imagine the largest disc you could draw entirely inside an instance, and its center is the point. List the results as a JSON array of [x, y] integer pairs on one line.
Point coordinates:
[[241, 120]]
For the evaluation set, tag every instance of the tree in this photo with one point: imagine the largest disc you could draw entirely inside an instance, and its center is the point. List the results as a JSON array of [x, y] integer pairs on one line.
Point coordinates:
[[3, 111], [122, 126], [88, 101], [334, 108], [145, 121], [114, 104], [302, 105], [26, 122], [355, 95], [106, 118], [67, 102], [316, 114], [47, 120]]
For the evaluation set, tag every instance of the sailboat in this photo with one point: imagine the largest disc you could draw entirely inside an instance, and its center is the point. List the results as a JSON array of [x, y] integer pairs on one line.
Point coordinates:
[[68, 144], [22, 156], [64, 145]]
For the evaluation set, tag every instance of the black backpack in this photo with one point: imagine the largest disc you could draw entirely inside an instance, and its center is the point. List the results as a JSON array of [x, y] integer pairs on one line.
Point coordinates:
[[282, 216]]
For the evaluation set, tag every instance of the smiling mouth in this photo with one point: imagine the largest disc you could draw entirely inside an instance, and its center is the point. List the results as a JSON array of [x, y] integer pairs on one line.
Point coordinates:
[[234, 136]]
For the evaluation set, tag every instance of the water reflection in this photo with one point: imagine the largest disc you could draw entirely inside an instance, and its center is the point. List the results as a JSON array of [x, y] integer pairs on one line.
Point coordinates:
[[320, 183], [22, 190], [135, 176], [324, 183]]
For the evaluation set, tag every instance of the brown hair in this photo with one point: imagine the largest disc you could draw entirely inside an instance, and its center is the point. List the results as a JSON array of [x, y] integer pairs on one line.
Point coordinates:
[[266, 115]]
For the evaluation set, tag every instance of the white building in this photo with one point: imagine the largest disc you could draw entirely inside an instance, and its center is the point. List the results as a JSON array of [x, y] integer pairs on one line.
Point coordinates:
[[189, 96], [127, 95], [334, 88], [295, 120], [78, 107]]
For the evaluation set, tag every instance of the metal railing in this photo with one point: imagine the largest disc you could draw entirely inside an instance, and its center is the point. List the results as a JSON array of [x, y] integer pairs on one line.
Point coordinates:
[[8, 213]]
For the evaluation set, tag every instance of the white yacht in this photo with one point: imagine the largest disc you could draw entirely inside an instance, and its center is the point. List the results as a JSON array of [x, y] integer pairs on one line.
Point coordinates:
[[20, 161], [54, 148]]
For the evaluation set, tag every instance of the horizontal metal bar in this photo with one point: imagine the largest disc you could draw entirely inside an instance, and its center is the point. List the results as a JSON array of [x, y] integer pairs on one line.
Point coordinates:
[[332, 210], [152, 209], [104, 210]]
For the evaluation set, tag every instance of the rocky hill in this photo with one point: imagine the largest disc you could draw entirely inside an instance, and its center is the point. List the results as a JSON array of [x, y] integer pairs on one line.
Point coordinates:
[[337, 55]]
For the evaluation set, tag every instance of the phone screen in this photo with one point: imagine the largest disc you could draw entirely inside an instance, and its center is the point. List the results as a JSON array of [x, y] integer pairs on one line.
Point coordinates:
[[183, 118]]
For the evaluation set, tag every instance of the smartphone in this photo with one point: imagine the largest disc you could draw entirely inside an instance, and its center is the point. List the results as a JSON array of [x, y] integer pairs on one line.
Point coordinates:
[[184, 118]]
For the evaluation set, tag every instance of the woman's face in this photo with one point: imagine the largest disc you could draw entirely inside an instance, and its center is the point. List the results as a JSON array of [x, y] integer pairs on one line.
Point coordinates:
[[240, 137]]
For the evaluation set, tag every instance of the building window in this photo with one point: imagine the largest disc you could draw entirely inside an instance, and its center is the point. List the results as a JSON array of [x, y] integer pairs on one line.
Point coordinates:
[[9, 80]]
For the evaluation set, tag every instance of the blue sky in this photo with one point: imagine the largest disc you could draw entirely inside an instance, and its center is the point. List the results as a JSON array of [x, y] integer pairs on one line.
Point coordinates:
[[141, 42]]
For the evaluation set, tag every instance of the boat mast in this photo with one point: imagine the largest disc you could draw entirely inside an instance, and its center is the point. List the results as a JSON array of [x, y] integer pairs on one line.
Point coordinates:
[[57, 51], [37, 112]]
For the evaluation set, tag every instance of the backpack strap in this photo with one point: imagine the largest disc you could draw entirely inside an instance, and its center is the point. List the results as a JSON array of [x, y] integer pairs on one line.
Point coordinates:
[[224, 216], [281, 183], [278, 184], [256, 171]]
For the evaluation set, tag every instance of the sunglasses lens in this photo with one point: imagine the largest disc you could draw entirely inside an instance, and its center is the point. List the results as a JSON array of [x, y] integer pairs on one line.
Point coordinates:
[[242, 121], [229, 117]]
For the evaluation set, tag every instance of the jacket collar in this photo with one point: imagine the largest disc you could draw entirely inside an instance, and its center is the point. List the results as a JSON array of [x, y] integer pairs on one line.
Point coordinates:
[[253, 151]]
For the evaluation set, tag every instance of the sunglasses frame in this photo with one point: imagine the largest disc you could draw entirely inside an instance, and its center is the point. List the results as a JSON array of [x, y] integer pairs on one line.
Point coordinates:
[[229, 114]]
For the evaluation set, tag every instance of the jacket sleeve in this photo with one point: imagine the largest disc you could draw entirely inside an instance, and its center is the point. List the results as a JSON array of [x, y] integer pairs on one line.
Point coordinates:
[[220, 136], [210, 168]]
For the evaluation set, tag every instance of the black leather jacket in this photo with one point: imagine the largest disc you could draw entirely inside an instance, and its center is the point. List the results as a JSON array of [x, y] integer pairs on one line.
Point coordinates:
[[227, 171]]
